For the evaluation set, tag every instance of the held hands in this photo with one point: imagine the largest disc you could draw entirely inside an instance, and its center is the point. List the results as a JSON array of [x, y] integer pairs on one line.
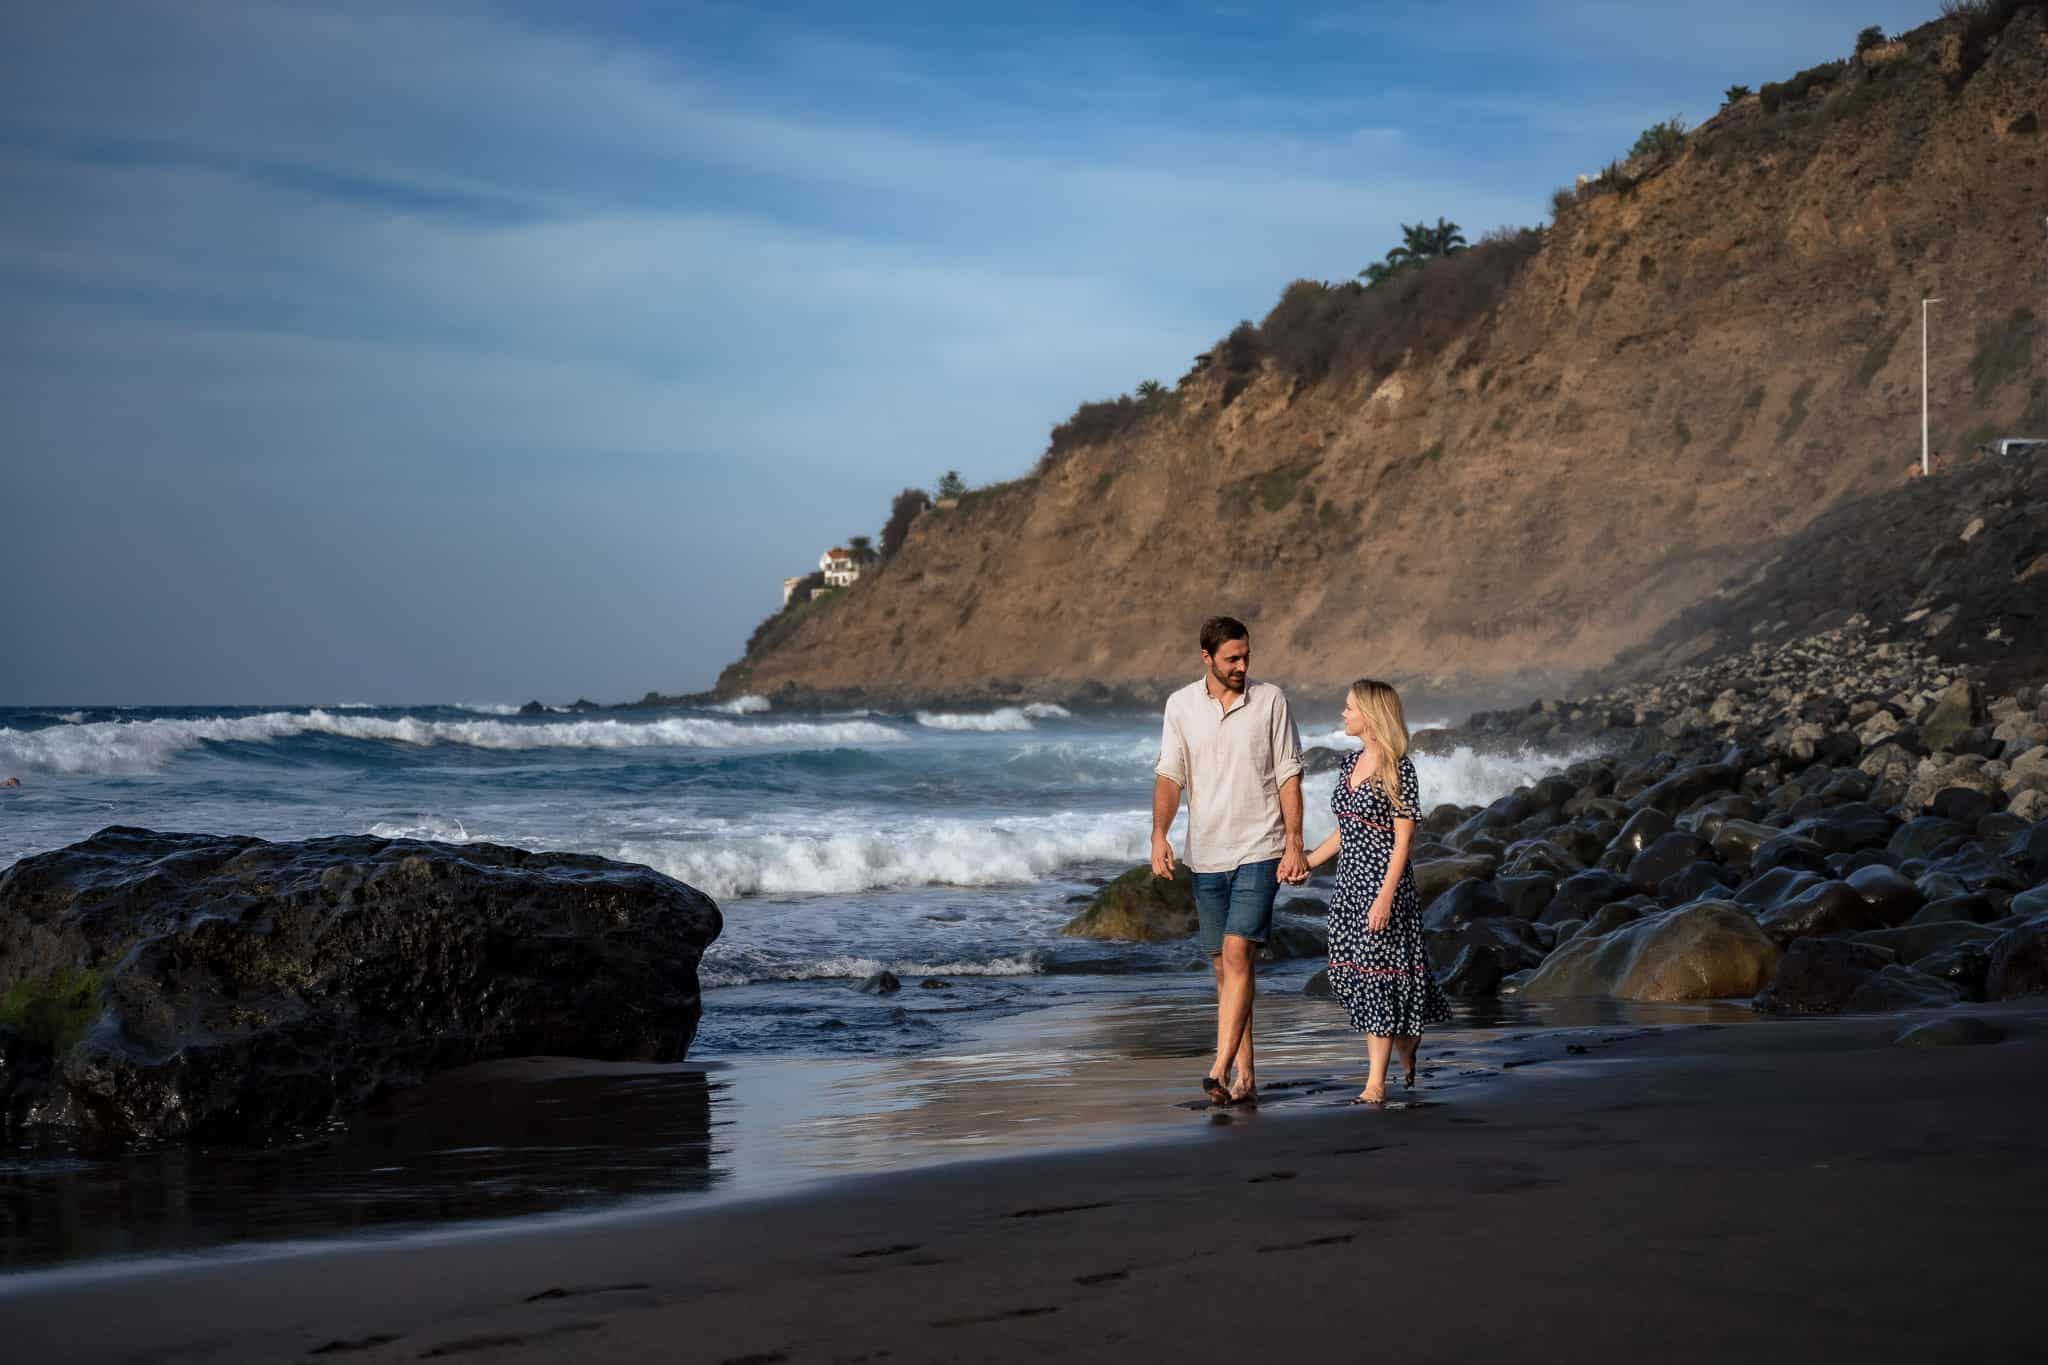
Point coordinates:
[[1293, 866], [1162, 857]]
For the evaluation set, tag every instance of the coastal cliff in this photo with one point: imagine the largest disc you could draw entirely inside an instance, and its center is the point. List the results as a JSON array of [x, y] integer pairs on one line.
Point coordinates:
[[1502, 471]]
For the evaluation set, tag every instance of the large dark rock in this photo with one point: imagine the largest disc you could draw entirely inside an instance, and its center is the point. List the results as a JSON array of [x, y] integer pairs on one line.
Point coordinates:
[[1828, 908], [1674, 793], [2028, 850], [1582, 893], [1140, 908], [1520, 944], [1702, 880], [1476, 974], [1789, 850], [1526, 896], [1703, 951], [1973, 906], [1819, 976], [1951, 715], [1964, 1032], [1774, 888], [1979, 869], [1439, 875], [1900, 988], [2019, 961], [1644, 828], [190, 986], [1849, 828], [1963, 965], [1912, 942], [1668, 854], [1736, 841], [1463, 903], [1921, 836], [1892, 898]]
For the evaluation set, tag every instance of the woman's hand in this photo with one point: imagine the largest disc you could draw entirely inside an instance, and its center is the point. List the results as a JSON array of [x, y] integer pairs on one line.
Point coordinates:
[[1382, 914]]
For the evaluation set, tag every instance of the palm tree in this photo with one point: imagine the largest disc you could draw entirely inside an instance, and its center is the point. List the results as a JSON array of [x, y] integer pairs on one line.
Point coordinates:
[[863, 550], [1151, 391], [1420, 244]]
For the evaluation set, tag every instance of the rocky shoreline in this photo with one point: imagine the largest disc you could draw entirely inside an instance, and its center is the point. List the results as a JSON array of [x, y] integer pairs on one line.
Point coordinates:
[[1839, 822]]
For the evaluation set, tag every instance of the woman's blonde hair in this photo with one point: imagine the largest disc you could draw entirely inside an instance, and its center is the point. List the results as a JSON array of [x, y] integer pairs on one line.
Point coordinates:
[[1385, 723]]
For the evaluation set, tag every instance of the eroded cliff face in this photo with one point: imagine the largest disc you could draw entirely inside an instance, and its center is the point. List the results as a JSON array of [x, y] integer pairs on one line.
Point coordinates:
[[1685, 373]]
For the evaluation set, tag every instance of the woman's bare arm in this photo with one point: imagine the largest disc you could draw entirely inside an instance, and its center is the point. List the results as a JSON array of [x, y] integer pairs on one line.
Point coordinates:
[[1326, 850], [1383, 903]]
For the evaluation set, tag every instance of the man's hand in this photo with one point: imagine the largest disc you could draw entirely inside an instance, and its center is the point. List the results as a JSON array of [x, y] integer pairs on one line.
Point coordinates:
[[1381, 916], [1162, 856], [1293, 865]]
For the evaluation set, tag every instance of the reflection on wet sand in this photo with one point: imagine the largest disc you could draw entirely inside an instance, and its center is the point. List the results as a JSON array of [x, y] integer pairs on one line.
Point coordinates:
[[505, 1140], [516, 1139]]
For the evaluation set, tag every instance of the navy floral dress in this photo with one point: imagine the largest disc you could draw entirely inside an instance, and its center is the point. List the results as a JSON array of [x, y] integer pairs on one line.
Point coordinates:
[[1384, 978]]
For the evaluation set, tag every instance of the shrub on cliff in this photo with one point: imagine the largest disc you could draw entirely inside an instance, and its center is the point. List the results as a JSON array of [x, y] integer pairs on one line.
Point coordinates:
[[1661, 139], [1092, 424], [1318, 330], [907, 507]]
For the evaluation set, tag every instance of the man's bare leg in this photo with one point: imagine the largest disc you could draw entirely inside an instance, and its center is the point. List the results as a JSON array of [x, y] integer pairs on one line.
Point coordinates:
[[1234, 991]]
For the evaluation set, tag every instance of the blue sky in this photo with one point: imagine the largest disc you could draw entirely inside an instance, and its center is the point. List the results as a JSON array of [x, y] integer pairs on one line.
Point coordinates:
[[364, 352]]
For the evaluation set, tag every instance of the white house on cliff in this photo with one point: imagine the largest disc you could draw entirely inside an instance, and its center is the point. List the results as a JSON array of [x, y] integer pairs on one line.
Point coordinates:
[[838, 566]]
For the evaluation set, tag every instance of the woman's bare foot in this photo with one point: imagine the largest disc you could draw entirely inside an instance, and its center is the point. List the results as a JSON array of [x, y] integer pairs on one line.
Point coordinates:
[[1371, 1096]]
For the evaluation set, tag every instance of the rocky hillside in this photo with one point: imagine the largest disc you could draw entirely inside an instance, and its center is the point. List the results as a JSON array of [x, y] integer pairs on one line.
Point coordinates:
[[1513, 466]]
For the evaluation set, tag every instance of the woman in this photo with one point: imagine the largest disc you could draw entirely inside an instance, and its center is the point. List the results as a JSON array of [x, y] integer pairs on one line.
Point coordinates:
[[1379, 966]]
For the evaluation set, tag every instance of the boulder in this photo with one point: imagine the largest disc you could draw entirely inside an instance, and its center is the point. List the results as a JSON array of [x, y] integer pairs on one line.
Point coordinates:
[[1849, 828], [1951, 715], [1674, 793], [1789, 850], [884, 982], [1828, 908], [1526, 896], [1774, 888], [1972, 907], [1288, 942], [1139, 908], [1667, 854], [1439, 875], [1921, 836], [1909, 943], [1318, 986], [1463, 903], [1608, 918], [1979, 869], [1891, 898], [1644, 828], [1736, 841], [1900, 988], [1580, 894], [1519, 942], [1703, 951], [1476, 974], [2019, 961], [1539, 857], [206, 987], [2030, 903], [1963, 965], [1701, 881], [1964, 805], [1818, 976]]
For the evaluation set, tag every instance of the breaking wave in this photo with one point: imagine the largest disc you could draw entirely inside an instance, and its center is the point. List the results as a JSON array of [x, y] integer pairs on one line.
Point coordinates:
[[1000, 721], [144, 746], [916, 853], [749, 705]]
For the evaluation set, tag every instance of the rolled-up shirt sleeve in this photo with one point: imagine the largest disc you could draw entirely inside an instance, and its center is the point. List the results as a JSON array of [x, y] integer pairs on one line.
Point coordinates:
[[1286, 743], [1173, 752]]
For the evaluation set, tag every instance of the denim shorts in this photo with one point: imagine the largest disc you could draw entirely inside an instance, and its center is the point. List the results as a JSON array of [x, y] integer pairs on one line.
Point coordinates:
[[1236, 902]]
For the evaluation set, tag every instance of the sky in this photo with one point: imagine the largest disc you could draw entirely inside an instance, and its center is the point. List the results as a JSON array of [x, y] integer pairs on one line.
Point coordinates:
[[420, 352]]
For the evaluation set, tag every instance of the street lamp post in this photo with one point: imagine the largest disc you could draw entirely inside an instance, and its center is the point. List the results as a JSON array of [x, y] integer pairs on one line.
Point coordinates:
[[1925, 463]]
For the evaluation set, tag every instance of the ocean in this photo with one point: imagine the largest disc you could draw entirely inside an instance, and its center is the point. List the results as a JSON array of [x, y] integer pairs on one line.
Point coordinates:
[[945, 846]]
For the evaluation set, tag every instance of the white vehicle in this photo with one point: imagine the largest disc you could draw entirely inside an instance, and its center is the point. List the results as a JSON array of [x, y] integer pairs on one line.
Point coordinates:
[[2022, 445]]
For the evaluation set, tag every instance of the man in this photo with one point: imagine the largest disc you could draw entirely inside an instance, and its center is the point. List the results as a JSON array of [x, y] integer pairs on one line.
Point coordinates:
[[1231, 746]]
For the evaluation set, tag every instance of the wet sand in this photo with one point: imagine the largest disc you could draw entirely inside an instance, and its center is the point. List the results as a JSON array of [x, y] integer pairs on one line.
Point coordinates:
[[1800, 1189]]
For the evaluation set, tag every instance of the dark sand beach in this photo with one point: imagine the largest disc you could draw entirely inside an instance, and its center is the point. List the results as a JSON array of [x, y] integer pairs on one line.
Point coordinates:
[[1801, 1189]]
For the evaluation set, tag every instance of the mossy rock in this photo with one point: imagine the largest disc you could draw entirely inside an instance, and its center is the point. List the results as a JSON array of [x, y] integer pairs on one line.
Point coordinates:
[[54, 1010], [1139, 908]]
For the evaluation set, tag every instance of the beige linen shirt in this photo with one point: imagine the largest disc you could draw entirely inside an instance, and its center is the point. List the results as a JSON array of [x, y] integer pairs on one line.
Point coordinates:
[[1230, 765]]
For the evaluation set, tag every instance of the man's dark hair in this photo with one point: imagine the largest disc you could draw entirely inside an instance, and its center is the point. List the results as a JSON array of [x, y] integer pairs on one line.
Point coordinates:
[[1218, 631]]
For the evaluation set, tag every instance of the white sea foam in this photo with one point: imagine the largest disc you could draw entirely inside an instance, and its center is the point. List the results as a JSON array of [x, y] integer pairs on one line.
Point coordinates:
[[444, 829], [714, 973], [121, 747], [927, 852], [487, 708], [749, 705], [1009, 718], [73, 717], [1045, 710]]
